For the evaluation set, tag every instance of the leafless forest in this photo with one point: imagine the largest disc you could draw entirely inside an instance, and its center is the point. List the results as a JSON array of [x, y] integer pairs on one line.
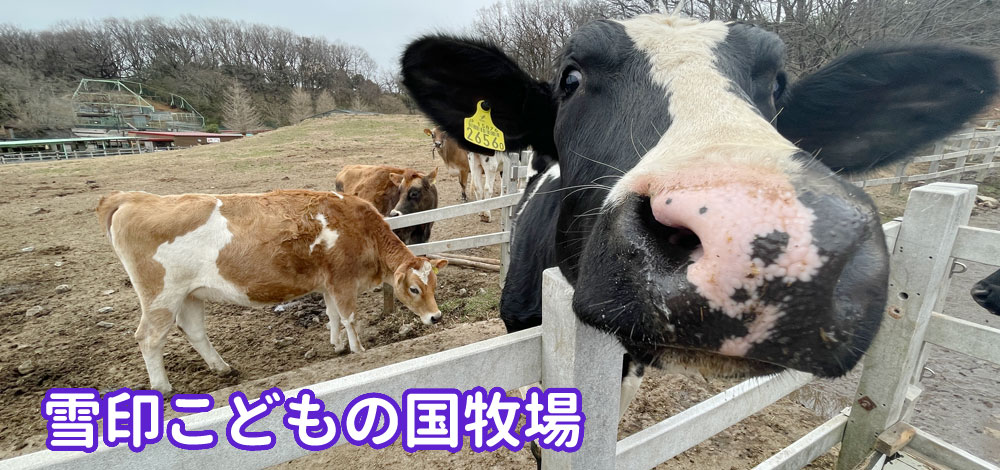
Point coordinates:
[[288, 76]]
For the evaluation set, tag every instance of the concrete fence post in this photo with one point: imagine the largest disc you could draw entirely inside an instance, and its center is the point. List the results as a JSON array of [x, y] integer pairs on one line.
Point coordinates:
[[919, 265], [508, 185], [960, 163], [994, 142], [901, 178], [579, 356]]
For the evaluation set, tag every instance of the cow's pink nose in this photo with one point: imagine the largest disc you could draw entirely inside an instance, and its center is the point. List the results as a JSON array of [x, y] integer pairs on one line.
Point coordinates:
[[738, 236]]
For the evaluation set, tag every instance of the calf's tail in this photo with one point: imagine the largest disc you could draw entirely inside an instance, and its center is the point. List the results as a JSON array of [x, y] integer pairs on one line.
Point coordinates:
[[107, 207]]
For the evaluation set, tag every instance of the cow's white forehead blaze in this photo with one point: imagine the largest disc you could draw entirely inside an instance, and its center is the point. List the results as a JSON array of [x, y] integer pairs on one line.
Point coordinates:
[[711, 123], [424, 273]]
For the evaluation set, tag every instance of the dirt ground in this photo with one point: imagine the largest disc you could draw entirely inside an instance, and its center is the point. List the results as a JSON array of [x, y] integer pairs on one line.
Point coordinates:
[[50, 236], [48, 207]]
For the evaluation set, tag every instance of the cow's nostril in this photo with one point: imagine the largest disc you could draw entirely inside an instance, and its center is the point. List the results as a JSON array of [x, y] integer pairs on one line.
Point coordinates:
[[684, 238], [680, 240], [979, 293]]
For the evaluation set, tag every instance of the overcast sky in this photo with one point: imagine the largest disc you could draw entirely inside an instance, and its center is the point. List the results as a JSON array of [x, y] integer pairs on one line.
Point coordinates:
[[382, 27]]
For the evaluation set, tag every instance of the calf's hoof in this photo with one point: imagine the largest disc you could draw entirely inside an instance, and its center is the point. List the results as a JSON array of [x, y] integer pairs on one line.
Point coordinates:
[[485, 218], [227, 371]]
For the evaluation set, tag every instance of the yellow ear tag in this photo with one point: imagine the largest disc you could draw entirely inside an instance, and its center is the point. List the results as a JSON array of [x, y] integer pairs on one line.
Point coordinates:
[[435, 270], [479, 129]]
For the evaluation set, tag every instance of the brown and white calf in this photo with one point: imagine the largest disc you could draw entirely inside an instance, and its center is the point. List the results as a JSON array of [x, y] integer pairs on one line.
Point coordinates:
[[251, 249], [393, 191], [481, 167]]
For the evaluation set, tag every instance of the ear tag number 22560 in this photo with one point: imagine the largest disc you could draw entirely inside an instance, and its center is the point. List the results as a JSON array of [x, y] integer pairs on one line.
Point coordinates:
[[479, 130]]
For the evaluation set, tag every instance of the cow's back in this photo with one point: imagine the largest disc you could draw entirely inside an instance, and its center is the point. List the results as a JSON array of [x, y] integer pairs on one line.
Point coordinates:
[[137, 220], [139, 223], [294, 241], [454, 156], [372, 183], [299, 240]]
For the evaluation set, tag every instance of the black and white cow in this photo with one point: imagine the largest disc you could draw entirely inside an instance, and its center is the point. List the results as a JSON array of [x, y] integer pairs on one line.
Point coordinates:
[[697, 204], [986, 293]]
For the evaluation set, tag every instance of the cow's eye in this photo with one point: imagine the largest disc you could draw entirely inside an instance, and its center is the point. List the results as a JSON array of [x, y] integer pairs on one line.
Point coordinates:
[[779, 85], [414, 194], [414, 290], [570, 81]]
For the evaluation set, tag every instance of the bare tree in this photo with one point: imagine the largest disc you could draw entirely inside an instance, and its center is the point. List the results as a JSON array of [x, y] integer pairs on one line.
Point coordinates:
[[31, 103], [239, 113], [301, 104]]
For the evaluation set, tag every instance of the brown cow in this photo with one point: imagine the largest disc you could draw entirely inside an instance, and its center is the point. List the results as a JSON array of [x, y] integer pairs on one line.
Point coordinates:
[[455, 157], [252, 249], [393, 191], [482, 168]]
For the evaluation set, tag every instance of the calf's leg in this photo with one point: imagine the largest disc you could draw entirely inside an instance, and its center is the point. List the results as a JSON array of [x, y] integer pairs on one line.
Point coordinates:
[[463, 181], [151, 335], [333, 313], [191, 321], [489, 166], [345, 302]]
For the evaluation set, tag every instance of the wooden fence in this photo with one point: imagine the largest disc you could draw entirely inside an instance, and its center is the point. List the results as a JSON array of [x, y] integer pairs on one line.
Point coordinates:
[[565, 353], [970, 151]]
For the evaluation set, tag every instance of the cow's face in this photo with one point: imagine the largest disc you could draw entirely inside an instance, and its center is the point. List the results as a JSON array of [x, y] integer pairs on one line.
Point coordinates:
[[417, 192], [437, 136], [414, 284], [701, 221]]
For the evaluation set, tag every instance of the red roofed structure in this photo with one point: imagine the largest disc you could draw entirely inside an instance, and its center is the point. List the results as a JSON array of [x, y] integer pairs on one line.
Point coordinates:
[[182, 139]]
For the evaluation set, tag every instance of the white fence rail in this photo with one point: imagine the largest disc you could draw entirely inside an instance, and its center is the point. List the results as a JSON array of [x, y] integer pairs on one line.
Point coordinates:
[[27, 157], [972, 151], [514, 178], [508, 361], [565, 353]]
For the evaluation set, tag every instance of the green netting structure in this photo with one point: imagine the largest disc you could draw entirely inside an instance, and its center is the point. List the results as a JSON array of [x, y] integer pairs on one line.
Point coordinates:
[[128, 105]]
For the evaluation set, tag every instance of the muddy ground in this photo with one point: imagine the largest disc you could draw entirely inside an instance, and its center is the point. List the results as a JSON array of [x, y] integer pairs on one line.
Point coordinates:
[[49, 236]]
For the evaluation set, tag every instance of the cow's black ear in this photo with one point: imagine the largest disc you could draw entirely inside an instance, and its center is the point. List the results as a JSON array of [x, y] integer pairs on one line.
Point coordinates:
[[448, 76], [876, 105]]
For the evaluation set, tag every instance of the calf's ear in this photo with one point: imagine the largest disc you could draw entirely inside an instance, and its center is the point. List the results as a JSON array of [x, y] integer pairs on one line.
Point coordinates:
[[432, 177], [447, 77], [873, 106]]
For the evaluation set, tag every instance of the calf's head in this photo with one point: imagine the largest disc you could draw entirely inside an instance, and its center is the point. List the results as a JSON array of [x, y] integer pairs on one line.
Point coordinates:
[[704, 217], [417, 192], [414, 284], [437, 136]]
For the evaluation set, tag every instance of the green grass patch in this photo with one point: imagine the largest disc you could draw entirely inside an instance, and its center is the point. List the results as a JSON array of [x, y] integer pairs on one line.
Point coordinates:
[[475, 307]]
